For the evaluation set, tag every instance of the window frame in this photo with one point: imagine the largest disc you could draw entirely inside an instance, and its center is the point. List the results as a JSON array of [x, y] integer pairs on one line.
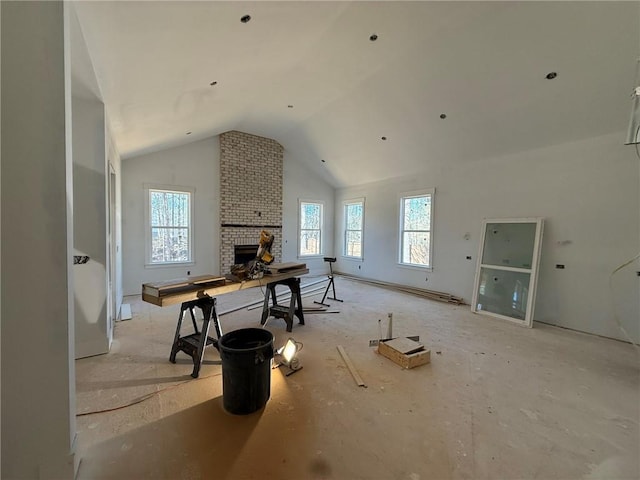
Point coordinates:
[[401, 230], [148, 189], [345, 230], [320, 253]]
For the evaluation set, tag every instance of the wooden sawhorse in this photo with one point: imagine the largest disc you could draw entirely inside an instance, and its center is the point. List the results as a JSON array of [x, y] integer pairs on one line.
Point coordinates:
[[195, 343], [281, 311]]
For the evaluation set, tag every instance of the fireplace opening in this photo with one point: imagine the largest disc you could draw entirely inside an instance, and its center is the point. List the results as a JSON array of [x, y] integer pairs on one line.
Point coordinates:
[[244, 253]]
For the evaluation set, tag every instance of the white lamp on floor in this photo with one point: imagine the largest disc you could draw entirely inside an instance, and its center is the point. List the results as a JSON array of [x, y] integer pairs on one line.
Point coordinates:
[[289, 356]]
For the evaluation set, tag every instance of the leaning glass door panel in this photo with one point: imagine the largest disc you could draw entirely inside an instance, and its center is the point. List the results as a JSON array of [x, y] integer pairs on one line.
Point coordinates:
[[503, 292], [509, 244], [507, 270]]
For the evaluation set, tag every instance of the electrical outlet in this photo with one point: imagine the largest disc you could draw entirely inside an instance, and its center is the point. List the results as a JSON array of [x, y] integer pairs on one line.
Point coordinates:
[[468, 257], [559, 266], [188, 272]]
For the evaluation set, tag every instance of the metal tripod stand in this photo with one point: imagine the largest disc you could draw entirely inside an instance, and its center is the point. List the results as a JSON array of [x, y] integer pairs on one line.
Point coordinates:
[[331, 284]]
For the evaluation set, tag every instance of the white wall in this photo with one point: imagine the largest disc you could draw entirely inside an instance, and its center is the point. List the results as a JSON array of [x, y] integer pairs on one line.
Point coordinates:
[[92, 325], [302, 183], [587, 191], [38, 401], [195, 165]]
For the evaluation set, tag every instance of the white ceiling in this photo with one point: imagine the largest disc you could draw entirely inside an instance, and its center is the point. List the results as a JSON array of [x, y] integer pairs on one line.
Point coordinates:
[[483, 64]]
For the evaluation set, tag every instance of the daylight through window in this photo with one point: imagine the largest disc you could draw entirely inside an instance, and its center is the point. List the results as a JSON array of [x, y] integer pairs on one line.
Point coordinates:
[[353, 227], [416, 230], [170, 226], [310, 229]]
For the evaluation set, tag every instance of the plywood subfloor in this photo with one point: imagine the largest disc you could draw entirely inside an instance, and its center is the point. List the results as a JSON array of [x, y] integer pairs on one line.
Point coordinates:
[[497, 401]]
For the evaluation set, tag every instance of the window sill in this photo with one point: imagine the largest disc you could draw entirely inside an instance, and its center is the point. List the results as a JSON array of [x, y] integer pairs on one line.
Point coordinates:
[[309, 257], [424, 268], [352, 259], [169, 265]]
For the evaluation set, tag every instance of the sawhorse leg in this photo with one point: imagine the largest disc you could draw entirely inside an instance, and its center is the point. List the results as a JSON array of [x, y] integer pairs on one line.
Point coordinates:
[[270, 292], [280, 311], [195, 343]]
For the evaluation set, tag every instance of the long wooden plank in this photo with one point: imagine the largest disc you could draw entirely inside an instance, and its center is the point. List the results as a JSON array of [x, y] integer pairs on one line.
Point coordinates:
[[430, 294], [200, 291], [351, 367], [180, 284], [285, 267]]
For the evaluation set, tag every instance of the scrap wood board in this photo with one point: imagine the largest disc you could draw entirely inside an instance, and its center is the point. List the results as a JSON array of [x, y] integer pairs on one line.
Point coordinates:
[[351, 367], [411, 360], [404, 345]]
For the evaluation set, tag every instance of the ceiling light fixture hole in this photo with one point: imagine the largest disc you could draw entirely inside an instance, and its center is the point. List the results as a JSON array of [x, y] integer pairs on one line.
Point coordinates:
[[213, 83], [443, 116], [245, 18], [188, 133], [289, 106], [383, 138], [373, 37], [551, 75], [323, 161]]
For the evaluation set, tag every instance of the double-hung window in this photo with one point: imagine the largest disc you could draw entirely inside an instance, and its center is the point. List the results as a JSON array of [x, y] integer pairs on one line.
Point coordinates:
[[310, 238], [416, 229], [353, 228], [169, 225]]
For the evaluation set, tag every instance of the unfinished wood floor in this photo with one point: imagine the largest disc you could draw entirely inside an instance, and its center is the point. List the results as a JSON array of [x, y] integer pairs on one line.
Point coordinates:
[[497, 401]]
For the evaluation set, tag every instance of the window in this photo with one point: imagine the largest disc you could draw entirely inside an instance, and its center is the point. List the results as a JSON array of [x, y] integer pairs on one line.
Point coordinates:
[[353, 227], [310, 228], [415, 229], [169, 232]]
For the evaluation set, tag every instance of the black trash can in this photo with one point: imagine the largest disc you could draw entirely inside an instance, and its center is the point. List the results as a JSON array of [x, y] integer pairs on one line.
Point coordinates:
[[246, 369]]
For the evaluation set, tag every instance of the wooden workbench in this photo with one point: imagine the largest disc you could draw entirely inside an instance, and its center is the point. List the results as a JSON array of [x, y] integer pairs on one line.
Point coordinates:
[[184, 290], [201, 292]]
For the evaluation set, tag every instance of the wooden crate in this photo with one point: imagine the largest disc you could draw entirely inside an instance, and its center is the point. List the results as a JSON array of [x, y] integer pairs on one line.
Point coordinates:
[[410, 360]]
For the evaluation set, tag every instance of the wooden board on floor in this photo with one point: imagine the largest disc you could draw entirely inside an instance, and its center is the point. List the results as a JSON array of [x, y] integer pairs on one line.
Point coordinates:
[[405, 361], [404, 345], [351, 367]]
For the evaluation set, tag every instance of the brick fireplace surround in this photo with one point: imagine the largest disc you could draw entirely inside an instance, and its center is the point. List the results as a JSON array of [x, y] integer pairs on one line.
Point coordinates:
[[250, 193]]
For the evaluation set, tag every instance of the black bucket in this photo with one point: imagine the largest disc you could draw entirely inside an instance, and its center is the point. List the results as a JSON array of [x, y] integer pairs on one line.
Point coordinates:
[[246, 369]]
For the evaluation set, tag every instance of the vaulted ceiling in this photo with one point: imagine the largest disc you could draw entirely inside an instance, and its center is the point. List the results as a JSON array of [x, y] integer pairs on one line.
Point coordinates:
[[311, 76]]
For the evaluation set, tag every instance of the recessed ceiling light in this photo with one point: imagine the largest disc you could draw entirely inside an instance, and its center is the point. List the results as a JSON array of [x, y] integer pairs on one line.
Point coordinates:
[[551, 75], [213, 83], [373, 37], [443, 116], [245, 18], [383, 138]]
